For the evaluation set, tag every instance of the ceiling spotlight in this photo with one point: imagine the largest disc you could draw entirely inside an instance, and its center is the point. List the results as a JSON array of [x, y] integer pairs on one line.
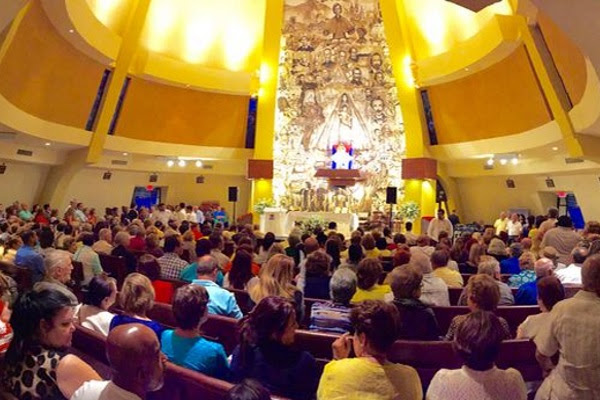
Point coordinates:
[[170, 163], [555, 148], [490, 162], [181, 163], [503, 161], [514, 161], [199, 164], [125, 154], [71, 30], [47, 144]]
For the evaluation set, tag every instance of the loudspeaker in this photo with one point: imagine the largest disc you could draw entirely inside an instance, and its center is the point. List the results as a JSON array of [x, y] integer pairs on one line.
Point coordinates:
[[106, 176], [233, 193], [391, 195], [2, 169], [153, 178], [200, 179], [550, 183], [510, 184]]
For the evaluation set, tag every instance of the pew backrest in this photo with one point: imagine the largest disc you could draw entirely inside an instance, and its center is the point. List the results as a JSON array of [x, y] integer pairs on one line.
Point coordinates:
[[514, 315], [429, 357], [179, 383], [116, 267]]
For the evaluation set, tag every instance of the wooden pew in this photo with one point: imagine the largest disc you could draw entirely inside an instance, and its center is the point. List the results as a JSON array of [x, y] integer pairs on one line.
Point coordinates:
[[426, 357], [429, 357], [23, 276], [243, 300], [116, 267], [514, 315], [179, 383], [455, 293]]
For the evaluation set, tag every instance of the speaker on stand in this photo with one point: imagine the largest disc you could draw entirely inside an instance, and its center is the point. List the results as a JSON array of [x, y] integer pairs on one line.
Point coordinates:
[[233, 198], [391, 198]]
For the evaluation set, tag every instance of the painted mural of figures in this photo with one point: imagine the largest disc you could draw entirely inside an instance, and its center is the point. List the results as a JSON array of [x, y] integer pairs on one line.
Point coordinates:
[[338, 26], [344, 125], [311, 113], [335, 86], [379, 113]]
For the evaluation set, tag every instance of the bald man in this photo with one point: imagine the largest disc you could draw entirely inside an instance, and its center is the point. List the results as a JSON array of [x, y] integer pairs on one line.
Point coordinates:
[[134, 354]]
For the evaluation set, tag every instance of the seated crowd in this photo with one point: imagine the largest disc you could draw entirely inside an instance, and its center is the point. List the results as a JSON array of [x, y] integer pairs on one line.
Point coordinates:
[[371, 290]]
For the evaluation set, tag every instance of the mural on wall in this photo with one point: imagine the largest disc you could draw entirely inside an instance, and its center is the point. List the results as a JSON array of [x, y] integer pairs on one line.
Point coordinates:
[[337, 106]]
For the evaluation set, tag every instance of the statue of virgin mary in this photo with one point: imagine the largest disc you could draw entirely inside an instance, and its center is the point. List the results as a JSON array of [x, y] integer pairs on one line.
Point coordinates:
[[344, 125]]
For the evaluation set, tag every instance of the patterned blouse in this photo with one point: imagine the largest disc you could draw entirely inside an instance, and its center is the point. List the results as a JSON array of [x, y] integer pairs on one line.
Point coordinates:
[[519, 279], [35, 376]]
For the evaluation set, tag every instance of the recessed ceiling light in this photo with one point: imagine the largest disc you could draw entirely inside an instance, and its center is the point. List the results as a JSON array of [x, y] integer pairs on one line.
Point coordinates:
[[503, 161], [125, 154], [170, 163], [47, 144], [490, 162], [181, 163], [555, 148], [515, 161], [467, 69], [71, 30], [199, 164]]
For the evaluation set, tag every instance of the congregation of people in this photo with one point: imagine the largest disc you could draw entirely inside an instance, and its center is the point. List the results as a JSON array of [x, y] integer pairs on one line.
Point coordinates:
[[371, 289]]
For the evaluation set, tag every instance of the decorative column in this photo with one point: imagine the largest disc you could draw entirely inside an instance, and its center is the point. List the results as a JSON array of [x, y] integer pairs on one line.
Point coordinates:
[[262, 186], [418, 170]]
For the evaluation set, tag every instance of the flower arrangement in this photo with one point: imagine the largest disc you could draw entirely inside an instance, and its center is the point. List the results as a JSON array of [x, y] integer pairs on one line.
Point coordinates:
[[309, 225], [261, 204], [409, 211]]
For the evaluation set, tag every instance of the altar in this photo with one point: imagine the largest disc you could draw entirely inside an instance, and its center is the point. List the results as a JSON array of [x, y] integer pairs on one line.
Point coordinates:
[[281, 222]]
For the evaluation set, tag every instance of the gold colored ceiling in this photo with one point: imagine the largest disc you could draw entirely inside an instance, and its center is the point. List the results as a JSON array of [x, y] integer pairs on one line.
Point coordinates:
[[223, 34]]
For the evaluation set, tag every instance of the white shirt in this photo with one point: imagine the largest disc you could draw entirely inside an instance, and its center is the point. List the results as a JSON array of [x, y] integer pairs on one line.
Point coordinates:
[[102, 390], [468, 384], [95, 318], [514, 228], [162, 216], [573, 330], [426, 250], [437, 226], [191, 217], [200, 218], [434, 291], [532, 325], [571, 274]]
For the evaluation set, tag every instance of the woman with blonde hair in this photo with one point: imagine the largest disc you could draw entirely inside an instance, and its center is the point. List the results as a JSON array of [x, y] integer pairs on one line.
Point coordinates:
[[477, 251], [276, 279], [136, 299]]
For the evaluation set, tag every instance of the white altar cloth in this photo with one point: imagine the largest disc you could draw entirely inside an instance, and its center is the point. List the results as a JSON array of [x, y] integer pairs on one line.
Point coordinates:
[[281, 222]]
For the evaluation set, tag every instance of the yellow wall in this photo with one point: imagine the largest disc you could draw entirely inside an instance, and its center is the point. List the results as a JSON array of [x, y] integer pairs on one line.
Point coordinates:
[[436, 26], [157, 112], [569, 60], [483, 198], [22, 181], [502, 100], [45, 76], [89, 188], [112, 13]]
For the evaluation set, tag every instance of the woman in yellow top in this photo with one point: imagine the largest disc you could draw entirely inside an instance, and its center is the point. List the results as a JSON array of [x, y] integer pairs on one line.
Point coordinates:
[[368, 243], [368, 274], [369, 376]]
